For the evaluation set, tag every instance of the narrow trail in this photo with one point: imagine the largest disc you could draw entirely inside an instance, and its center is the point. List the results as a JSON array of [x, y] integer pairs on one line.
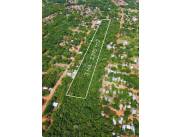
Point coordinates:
[[122, 17], [46, 99]]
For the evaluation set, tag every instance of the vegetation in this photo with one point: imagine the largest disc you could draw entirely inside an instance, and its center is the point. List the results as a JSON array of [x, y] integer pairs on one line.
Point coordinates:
[[82, 80], [67, 32]]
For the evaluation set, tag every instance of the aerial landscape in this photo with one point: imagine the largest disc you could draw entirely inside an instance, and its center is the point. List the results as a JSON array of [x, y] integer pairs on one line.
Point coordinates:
[[90, 68]]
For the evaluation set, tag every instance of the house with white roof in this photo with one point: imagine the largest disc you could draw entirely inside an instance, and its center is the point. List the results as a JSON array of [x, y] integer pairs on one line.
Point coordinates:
[[55, 104], [45, 88], [134, 97], [50, 89], [115, 79], [125, 43], [95, 23], [102, 113], [128, 126], [109, 47], [124, 127], [128, 106], [133, 111], [134, 19], [130, 94], [72, 74], [120, 120]]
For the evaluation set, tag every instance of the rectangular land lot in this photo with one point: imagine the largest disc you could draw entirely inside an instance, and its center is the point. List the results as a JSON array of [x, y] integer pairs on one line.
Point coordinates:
[[80, 85]]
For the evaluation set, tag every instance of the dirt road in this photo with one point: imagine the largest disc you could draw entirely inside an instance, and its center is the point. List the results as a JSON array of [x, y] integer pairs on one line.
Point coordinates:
[[46, 99], [58, 83]]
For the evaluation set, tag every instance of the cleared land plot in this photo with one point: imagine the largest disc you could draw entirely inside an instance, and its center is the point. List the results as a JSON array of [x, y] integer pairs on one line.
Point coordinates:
[[81, 83]]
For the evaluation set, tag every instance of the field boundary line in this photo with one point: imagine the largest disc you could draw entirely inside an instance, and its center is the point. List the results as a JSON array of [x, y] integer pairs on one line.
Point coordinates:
[[82, 60], [97, 59], [95, 64]]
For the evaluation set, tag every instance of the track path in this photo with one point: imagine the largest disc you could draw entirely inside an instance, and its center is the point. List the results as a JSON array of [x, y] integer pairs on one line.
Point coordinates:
[[58, 83]]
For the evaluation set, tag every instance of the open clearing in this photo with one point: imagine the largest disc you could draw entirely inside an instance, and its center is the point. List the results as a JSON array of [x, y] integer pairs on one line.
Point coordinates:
[[87, 67]]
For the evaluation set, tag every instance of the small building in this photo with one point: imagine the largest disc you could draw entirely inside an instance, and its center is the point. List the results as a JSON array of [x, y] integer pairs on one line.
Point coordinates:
[[109, 47], [102, 113], [128, 106], [45, 88], [55, 104], [121, 106], [131, 67], [120, 120], [133, 111], [95, 23], [125, 43], [107, 91], [108, 99], [134, 97], [128, 126], [113, 133], [114, 79], [50, 89], [134, 19], [130, 94], [72, 74], [124, 64], [123, 127]]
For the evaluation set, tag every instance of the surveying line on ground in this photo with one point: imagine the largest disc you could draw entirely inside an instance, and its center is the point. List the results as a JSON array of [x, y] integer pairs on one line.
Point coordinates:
[[97, 60], [95, 64], [82, 59], [76, 97]]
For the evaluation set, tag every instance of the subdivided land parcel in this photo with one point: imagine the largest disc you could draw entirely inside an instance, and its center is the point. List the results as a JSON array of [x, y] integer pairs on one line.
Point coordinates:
[[80, 85]]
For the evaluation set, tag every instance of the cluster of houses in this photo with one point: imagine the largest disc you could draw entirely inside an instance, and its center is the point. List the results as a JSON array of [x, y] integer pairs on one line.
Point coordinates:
[[84, 10], [113, 89], [118, 120], [114, 46]]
